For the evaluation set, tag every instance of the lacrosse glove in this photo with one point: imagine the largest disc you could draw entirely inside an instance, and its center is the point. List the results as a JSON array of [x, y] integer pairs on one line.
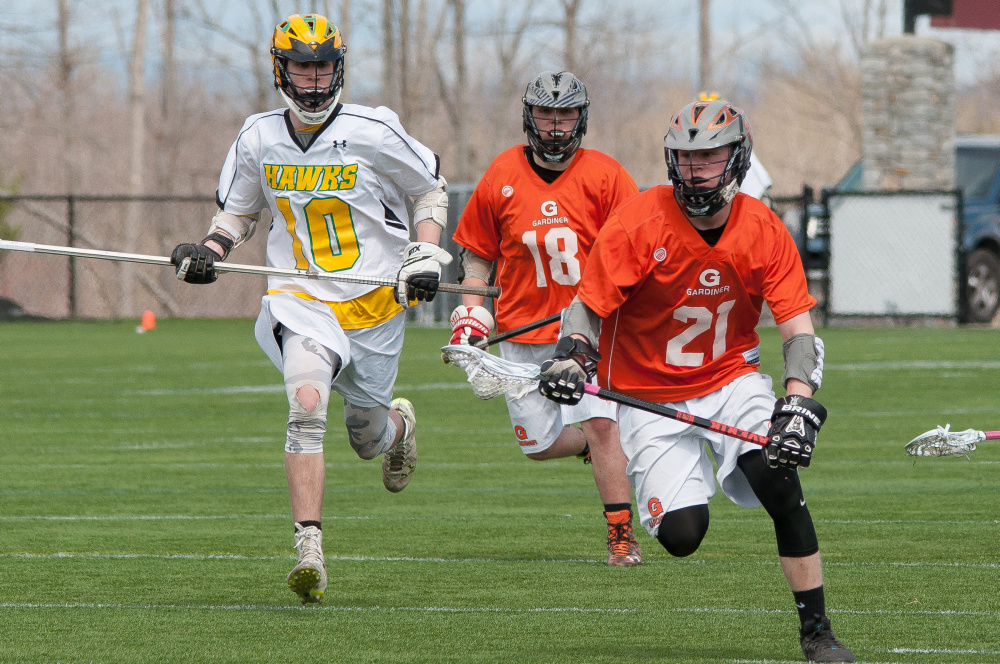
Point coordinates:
[[195, 263], [421, 272], [792, 437], [566, 372], [470, 325]]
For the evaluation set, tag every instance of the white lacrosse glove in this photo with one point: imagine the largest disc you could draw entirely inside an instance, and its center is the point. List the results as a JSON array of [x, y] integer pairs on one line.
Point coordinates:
[[470, 325], [418, 278]]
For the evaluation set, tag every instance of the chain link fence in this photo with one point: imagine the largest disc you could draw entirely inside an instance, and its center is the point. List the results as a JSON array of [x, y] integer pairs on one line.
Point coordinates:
[[873, 254], [50, 286], [895, 254], [68, 287]]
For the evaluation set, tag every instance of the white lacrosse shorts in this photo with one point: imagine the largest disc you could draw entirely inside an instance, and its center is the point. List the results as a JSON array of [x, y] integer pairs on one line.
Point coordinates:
[[538, 421], [369, 356], [668, 461]]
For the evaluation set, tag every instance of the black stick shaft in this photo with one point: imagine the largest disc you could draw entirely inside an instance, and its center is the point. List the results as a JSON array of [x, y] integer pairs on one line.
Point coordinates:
[[548, 320], [667, 411]]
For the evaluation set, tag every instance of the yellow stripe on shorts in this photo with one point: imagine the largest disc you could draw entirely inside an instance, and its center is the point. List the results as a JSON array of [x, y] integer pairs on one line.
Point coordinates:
[[369, 310]]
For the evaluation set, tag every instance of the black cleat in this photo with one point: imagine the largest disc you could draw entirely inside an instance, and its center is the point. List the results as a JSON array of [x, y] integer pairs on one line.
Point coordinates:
[[820, 645]]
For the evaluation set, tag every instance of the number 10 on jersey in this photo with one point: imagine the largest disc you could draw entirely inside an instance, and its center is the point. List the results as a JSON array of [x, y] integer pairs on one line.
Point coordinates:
[[333, 240]]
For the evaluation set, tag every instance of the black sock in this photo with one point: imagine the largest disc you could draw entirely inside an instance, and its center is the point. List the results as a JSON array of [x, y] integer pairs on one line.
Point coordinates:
[[810, 603], [306, 524], [618, 507]]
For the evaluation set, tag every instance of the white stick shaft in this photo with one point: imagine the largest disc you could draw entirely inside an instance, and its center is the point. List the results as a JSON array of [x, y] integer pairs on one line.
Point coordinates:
[[11, 245]]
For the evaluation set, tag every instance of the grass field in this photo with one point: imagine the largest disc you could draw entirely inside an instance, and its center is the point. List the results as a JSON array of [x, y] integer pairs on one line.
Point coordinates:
[[144, 517]]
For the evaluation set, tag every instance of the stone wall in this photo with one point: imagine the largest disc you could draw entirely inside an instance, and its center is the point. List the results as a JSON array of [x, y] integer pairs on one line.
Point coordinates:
[[908, 104]]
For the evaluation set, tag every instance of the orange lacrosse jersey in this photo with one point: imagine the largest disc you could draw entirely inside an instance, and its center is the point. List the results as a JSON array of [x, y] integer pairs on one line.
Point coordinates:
[[540, 234], [679, 315]]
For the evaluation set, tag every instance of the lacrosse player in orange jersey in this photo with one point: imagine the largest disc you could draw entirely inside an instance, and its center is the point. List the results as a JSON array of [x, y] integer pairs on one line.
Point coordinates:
[[673, 291], [336, 178], [535, 215]]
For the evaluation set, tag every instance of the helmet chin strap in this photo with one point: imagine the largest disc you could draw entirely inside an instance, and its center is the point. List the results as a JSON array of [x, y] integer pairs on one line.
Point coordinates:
[[310, 117]]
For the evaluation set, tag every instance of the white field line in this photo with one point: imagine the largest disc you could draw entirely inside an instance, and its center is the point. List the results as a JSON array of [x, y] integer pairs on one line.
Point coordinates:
[[425, 559], [919, 365], [939, 651], [361, 464], [476, 609], [182, 517], [329, 465], [268, 389]]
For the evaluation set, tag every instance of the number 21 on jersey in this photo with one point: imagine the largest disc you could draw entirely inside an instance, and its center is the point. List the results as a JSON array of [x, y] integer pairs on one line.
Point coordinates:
[[561, 245], [703, 319]]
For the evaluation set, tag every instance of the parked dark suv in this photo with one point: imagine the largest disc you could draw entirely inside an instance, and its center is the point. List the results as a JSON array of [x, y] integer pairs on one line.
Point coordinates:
[[977, 175]]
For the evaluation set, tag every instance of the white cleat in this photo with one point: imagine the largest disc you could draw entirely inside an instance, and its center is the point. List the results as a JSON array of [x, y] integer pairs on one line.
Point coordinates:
[[399, 462], [308, 578]]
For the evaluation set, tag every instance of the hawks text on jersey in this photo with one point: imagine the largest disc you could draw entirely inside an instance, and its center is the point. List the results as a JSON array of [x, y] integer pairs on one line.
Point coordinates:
[[337, 205]]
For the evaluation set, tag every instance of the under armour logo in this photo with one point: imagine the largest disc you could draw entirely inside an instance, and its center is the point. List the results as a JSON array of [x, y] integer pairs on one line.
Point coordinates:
[[340, 144]]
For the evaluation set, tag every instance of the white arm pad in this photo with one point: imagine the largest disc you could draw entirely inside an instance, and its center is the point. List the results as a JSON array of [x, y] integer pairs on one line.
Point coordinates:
[[432, 206], [804, 360], [475, 266], [578, 318], [238, 227]]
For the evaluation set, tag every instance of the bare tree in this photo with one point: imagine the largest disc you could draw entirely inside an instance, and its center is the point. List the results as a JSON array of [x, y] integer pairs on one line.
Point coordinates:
[[253, 45], [858, 19], [512, 23], [389, 72], [461, 85], [705, 44], [137, 150], [571, 11], [66, 97], [343, 22], [167, 147]]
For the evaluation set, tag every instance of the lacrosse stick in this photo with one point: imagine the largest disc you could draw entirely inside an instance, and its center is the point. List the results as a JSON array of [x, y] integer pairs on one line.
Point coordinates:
[[504, 336], [10, 245], [491, 376], [944, 442]]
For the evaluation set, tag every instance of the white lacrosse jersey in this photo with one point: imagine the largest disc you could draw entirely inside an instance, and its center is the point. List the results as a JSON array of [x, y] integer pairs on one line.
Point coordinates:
[[339, 205], [757, 180]]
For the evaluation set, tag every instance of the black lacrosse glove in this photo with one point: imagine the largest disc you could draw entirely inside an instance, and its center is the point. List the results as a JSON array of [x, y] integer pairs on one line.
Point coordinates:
[[792, 437], [195, 263], [567, 371]]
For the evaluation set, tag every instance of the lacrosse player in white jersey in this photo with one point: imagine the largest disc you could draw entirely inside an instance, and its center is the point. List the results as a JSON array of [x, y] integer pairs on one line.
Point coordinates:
[[336, 178]]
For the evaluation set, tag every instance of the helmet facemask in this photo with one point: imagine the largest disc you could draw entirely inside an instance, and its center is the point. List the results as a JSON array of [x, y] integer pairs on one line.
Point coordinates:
[[701, 197], [707, 125], [308, 39], [561, 143], [555, 91]]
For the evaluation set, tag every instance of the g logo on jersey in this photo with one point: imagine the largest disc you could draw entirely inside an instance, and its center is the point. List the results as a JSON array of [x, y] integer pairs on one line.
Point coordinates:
[[710, 277], [550, 208], [507, 191]]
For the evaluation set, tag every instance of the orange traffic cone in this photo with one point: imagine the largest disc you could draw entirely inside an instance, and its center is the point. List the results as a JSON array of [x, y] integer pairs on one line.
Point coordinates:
[[148, 322]]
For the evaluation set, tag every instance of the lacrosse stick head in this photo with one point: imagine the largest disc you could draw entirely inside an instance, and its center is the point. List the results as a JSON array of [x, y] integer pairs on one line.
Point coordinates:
[[944, 442], [489, 375]]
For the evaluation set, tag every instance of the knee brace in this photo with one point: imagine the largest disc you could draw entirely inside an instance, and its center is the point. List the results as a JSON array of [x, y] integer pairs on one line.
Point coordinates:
[[681, 531], [779, 491], [306, 364], [369, 430]]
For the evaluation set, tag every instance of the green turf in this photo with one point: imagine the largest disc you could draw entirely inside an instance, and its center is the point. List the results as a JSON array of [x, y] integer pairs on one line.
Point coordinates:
[[144, 517]]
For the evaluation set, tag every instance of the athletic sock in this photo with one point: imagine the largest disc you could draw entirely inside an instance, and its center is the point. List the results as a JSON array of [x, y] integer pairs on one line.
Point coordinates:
[[618, 507], [810, 603], [306, 524]]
